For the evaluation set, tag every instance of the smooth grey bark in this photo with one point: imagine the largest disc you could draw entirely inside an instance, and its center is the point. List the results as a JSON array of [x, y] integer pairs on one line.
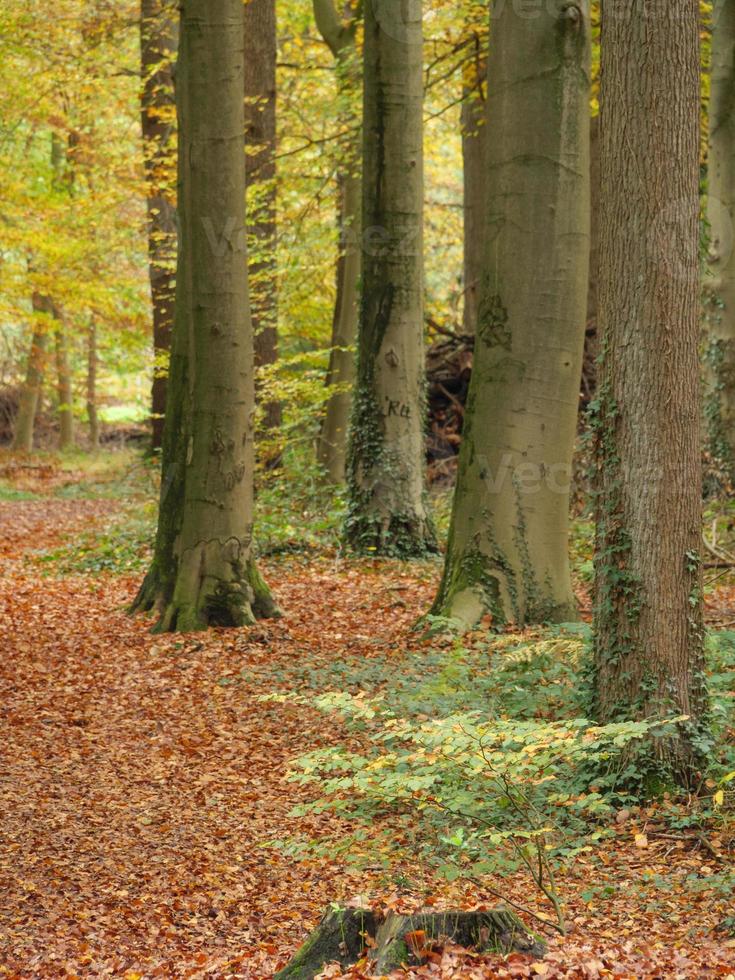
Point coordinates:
[[31, 391], [474, 157], [387, 512], [719, 360], [508, 547], [260, 142], [648, 633], [158, 43], [203, 572], [339, 35]]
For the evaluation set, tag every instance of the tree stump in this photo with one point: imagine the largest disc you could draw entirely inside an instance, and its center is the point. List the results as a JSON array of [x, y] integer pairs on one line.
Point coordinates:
[[339, 938], [405, 939]]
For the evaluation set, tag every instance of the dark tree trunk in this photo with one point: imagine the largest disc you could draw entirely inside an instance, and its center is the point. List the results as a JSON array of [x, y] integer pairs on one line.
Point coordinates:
[[648, 610]]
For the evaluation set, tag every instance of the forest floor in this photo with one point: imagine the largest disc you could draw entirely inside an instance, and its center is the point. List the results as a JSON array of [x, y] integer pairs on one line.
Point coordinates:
[[140, 777]]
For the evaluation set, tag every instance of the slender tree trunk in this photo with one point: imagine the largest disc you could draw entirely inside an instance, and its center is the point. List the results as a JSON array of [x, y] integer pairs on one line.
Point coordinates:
[[260, 140], [64, 391], [507, 552], [474, 157], [387, 510], [158, 40], [339, 35], [31, 391], [203, 571], [92, 415], [648, 610], [719, 404]]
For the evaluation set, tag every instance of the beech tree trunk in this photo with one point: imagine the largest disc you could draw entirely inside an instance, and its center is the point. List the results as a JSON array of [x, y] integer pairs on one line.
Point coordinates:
[[474, 158], [719, 404], [387, 512], [158, 41], [648, 608], [339, 35], [260, 141], [64, 387], [507, 553], [92, 414], [203, 572], [31, 392]]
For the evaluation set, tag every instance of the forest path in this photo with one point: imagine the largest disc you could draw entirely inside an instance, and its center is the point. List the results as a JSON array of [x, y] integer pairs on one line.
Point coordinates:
[[140, 779]]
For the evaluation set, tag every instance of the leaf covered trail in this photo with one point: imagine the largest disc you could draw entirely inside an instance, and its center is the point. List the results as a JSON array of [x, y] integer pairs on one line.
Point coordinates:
[[139, 779]]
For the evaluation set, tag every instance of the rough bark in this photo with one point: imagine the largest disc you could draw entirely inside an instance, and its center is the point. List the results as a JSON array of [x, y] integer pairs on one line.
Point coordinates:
[[158, 41], [474, 157], [507, 553], [260, 142], [340, 938], [203, 572], [719, 403], [387, 512], [648, 609], [339, 35], [92, 414], [31, 390], [64, 392], [405, 940]]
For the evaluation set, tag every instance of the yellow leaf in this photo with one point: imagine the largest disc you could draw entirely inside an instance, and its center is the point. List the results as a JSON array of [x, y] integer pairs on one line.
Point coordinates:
[[719, 797], [641, 840]]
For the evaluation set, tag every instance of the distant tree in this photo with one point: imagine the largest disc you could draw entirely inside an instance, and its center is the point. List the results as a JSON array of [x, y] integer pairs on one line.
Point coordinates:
[[387, 511], [260, 142], [508, 545], [203, 572], [474, 158], [339, 33], [648, 608], [158, 41], [719, 406], [30, 395]]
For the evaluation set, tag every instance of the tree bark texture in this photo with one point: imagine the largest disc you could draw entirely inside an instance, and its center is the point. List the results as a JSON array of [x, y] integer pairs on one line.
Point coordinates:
[[648, 608], [387, 511], [508, 548]]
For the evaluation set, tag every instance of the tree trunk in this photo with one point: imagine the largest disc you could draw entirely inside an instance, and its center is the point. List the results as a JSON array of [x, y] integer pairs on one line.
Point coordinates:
[[64, 387], [203, 572], [387, 512], [332, 444], [648, 607], [92, 415], [31, 391], [474, 157], [260, 141], [158, 40], [507, 553], [719, 403]]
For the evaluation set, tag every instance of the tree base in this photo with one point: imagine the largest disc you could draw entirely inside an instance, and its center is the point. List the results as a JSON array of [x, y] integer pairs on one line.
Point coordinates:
[[405, 940], [212, 588], [394, 536]]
